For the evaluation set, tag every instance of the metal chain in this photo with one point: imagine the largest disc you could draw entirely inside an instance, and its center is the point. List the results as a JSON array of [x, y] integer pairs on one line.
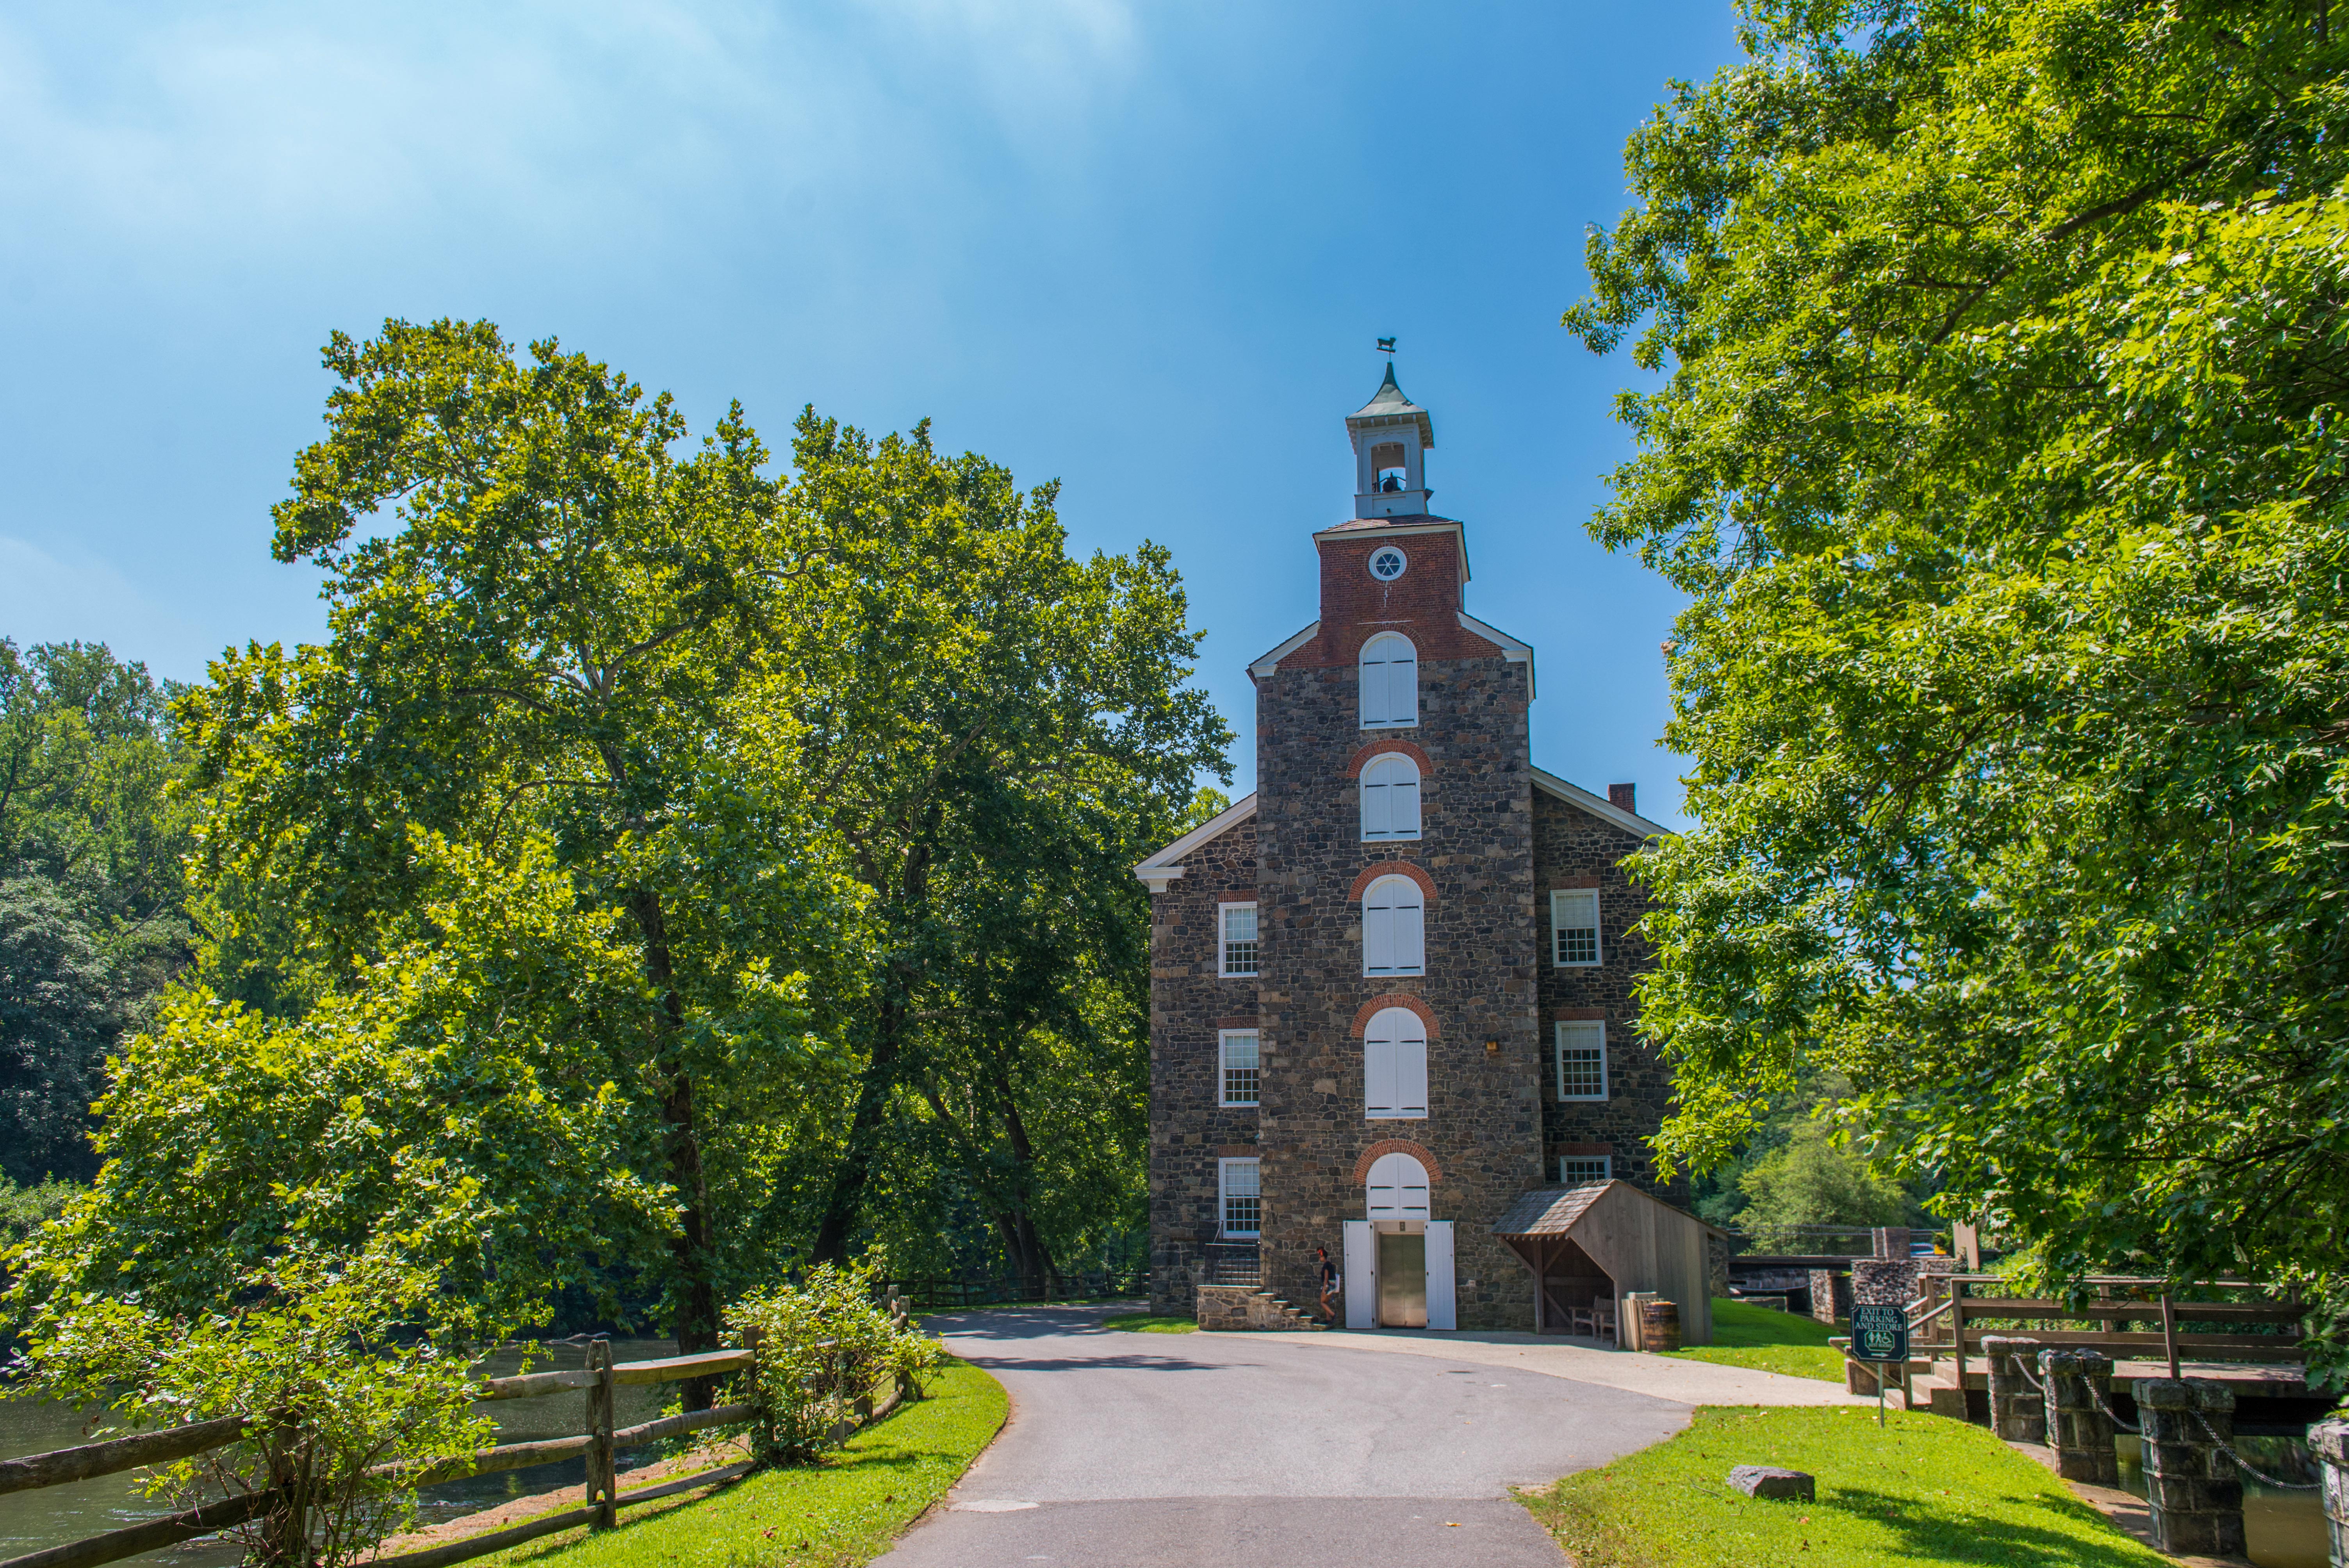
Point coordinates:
[[2245, 1465], [2110, 1414]]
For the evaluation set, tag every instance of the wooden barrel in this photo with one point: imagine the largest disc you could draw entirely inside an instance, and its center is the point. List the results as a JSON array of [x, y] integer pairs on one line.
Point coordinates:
[[1660, 1326]]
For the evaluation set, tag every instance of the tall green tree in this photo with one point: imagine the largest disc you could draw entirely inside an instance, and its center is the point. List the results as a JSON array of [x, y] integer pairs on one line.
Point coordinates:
[[91, 925], [2001, 356], [457, 1124], [997, 731], [542, 620]]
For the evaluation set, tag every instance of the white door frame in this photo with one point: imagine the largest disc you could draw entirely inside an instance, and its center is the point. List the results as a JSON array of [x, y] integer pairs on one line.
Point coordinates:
[[1360, 1279]]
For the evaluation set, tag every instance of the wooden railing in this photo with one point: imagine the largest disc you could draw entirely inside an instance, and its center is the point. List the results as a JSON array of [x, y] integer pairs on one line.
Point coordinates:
[[600, 1443], [2171, 1341]]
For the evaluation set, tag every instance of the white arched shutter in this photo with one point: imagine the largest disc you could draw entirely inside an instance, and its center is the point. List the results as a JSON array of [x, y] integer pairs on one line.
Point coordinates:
[[1394, 1065], [1389, 669], [1391, 798], [1397, 1188], [1394, 928]]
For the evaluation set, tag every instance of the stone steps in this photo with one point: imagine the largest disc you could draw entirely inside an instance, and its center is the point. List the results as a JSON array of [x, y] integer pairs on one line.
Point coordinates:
[[1250, 1309]]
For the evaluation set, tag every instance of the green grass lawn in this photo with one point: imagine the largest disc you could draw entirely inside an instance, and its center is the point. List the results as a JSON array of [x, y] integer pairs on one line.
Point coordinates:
[[1768, 1341], [840, 1514], [1142, 1323], [1923, 1489]]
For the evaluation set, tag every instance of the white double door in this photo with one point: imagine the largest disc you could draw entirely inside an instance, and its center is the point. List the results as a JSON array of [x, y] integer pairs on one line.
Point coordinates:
[[1404, 1292]]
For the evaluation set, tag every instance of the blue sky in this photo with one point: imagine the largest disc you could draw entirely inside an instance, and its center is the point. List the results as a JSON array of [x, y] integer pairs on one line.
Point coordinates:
[[1143, 250]]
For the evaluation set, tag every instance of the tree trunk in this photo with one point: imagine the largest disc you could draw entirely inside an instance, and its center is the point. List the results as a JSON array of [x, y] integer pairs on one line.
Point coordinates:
[[689, 1248], [845, 1202], [1037, 1270], [854, 1171]]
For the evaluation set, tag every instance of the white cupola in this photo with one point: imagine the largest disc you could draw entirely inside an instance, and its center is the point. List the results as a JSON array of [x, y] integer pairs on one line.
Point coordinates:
[[1391, 436]]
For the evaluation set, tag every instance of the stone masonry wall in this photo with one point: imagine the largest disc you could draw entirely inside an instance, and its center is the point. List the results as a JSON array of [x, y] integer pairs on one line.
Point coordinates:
[[1483, 1130], [1190, 1129], [1576, 848]]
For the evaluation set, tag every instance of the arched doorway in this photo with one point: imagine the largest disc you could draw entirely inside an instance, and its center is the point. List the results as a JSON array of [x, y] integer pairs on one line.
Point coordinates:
[[1399, 1264]]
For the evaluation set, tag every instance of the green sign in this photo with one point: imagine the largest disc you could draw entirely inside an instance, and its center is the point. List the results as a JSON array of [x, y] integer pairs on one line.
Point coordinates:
[[1879, 1333]]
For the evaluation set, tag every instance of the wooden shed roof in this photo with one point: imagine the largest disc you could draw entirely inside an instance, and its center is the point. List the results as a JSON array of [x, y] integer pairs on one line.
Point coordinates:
[[1553, 1211]]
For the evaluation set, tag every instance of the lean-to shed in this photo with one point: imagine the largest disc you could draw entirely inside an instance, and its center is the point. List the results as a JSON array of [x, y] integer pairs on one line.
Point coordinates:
[[1604, 1240]]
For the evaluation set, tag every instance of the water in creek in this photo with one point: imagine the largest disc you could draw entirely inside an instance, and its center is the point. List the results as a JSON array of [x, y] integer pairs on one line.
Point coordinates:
[[2282, 1528], [53, 1515]]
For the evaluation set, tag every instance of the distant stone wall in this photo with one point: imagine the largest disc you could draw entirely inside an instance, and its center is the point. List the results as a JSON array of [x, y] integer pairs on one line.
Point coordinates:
[[1884, 1282], [1191, 1004], [1575, 849]]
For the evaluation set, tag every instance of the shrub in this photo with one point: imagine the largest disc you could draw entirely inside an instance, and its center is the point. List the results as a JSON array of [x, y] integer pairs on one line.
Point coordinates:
[[340, 1420], [823, 1345]]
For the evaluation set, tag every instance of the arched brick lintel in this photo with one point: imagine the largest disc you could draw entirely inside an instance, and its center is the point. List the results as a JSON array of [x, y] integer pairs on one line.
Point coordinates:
[[1377, 1005], [1396, 1146], [1378, 869], [1380, 748]]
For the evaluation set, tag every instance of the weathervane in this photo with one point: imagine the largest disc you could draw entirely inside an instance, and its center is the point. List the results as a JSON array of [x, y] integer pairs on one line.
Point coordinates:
[[1386, 345]]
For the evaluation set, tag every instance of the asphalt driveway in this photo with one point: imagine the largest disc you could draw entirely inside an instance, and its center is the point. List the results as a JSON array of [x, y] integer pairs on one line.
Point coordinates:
[[1138, 1451]]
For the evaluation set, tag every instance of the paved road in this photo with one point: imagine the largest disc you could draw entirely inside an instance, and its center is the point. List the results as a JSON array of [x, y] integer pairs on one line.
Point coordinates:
[[1146, 1450]]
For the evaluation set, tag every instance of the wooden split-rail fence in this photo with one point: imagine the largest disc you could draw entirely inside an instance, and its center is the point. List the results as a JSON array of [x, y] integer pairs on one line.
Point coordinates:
[[601, 1443]]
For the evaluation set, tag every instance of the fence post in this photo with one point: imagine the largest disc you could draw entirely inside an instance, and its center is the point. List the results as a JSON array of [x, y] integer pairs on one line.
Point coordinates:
[[2078, 1385], [603, 1472], [285, 1534], [2328, 1444], [2018, 1414], [2193, 1497]]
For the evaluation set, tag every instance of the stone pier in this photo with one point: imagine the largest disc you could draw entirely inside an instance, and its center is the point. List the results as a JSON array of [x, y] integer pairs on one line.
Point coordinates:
[[2193, 1496], [2078, 1385], [2328, 1442], [2017, 1413]]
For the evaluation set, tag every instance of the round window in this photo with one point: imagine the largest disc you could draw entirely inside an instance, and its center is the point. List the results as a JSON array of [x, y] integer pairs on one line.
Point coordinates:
[[1387, 562]]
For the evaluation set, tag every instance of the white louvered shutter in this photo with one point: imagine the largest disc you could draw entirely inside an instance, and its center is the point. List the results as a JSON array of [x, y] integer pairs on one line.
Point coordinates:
[[1378, 802], [1377, 1075], [1378, 930], [1410, 931], [1391, 798], [1410, 1075], [1403, 793], [1389, 681]]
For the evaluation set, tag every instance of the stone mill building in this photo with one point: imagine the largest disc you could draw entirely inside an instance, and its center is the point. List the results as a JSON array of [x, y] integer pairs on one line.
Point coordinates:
[[1392, 990]]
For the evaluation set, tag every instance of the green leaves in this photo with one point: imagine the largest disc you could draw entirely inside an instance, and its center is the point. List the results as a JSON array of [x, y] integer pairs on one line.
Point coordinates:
[[1998, 452], [824, 1345], [451, 1117]]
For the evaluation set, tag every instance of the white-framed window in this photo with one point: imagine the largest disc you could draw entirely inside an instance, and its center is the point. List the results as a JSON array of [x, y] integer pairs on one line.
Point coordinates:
[[1582, 1169], [1574, 927], [1581, 1059], [1242, 1198], [1397, 1188], [1240, 1066], [1389, 682], [1395, 1066], [1394, 927], [1238, 940], [1391, 798]]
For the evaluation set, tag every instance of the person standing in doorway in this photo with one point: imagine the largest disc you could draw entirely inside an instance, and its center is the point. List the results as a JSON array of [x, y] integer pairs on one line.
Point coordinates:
[[1329, 1286]]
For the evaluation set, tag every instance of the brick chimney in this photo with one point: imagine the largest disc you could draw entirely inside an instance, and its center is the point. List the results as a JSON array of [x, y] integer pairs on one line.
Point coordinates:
[[1619, 796]]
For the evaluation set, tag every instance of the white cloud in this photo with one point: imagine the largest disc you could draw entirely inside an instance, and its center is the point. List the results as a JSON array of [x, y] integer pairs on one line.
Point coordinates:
[[248, 128]]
